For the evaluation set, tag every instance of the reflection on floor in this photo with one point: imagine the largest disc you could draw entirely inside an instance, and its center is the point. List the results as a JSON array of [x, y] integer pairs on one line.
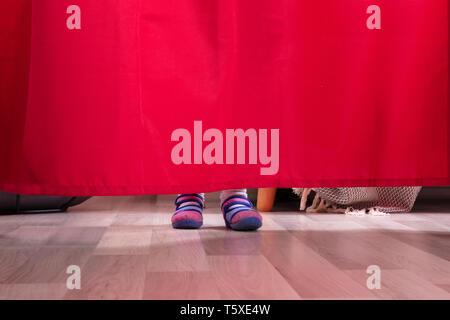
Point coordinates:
[[126, 249]]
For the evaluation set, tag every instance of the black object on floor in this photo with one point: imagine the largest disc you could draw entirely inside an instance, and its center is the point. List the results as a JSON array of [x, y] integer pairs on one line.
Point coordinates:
[[11, 203]]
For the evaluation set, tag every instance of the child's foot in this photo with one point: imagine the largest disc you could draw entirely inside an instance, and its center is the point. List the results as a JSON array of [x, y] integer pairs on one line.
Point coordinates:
[[188, 214], [239, 214]]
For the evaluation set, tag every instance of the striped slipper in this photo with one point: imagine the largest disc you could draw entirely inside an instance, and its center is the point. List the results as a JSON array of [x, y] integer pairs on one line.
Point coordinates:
[[188, 212], [239, 214]]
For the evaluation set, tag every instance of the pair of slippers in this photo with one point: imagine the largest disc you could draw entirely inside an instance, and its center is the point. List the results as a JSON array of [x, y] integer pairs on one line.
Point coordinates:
[[237, 211]]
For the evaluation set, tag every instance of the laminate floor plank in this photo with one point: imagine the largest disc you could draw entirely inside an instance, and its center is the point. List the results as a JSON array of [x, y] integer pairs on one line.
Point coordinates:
[[180, 285], [126, 240], [33, 291], [111, 277], [48, 265], [310, 274], [177, 250], [249, 277], [402, 284], [126, 248]]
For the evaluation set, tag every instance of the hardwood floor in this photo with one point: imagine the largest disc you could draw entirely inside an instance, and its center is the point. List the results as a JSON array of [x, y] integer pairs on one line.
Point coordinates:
[[126, 249]]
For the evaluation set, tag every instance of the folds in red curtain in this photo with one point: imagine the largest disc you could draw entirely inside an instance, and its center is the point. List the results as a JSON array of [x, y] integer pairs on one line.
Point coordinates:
[[91, 111]]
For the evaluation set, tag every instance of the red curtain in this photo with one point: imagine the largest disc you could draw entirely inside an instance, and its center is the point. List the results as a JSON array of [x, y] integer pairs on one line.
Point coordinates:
[[93, 91]]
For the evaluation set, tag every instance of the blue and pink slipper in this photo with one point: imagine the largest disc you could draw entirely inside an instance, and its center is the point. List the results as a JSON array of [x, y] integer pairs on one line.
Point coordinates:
[[188, 212], [237, 211], [239, 214]]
